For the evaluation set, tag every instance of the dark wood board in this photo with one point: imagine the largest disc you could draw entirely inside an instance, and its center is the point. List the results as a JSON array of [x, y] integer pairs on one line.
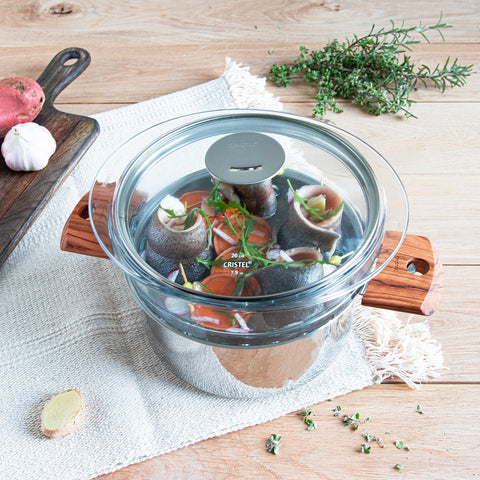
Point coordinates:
[[23, 195]]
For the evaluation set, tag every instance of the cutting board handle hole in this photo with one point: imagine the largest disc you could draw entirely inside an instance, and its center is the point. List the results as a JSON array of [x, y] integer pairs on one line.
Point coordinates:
[[70, 58], [417, 266]]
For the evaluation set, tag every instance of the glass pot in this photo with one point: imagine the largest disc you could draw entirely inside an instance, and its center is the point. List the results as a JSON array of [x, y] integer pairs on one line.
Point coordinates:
[[287, 336]]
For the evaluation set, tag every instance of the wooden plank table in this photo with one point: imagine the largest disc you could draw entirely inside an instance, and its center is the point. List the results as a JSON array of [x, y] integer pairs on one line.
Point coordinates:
[[145, 49]]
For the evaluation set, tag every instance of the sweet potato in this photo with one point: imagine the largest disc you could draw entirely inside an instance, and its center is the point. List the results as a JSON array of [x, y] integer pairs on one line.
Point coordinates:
[[21, 100]]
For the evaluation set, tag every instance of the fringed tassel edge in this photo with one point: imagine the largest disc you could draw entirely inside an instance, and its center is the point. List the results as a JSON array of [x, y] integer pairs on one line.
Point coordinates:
[[248, 90], [398, 348]]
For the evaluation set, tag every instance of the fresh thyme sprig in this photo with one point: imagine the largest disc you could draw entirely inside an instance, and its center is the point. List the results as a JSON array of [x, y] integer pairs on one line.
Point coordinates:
[[370, 71]]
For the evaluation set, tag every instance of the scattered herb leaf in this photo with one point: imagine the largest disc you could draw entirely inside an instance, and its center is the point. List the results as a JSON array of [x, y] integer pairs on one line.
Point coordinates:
[[420, 410], [354, 421], [366, 448], [273, 444], [399, 466], [399, 444], [311, 425]]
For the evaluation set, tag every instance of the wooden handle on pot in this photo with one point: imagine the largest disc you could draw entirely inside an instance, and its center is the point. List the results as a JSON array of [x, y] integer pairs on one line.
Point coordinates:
[[412, 282], [78, 236]]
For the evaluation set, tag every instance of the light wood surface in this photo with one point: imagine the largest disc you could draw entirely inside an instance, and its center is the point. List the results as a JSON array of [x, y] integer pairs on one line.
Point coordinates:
[[145, 49]]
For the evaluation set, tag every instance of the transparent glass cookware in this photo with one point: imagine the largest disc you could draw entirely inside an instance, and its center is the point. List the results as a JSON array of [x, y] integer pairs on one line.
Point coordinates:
[[245, 149]]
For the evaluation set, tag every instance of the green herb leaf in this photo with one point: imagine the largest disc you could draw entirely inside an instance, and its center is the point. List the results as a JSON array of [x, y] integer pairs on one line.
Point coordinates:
[[273, 444], [190, 219], [311, 425], [399, 466], [399, 444], [169, 212], [420, 410], [366, 448]]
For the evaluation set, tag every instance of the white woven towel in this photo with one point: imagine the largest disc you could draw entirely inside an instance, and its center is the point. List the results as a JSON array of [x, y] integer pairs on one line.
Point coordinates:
[[68, 321]]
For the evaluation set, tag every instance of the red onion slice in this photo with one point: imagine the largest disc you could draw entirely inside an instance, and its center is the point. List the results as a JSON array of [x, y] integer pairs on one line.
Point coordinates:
[[290, 197], [273, 253], [176, 306], [241, 321], [201, 318], [223, 235], [172, 276], [285, 257]]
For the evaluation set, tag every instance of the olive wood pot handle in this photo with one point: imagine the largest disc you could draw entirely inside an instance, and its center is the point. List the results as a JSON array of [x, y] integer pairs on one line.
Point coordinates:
[[78, 236], [412, 282]]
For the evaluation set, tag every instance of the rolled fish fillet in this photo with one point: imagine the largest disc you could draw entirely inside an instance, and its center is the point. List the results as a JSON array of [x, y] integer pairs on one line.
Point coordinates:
[[301, 228], [259, 198], [277, 279], [169, 244], [280, 278]]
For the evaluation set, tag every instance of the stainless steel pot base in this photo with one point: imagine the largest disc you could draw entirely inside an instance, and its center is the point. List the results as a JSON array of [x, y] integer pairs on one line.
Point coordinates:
[[252, 372]]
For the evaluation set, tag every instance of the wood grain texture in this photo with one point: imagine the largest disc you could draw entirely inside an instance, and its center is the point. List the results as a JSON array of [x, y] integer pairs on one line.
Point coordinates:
[[144, 49], [23, 195], [190, 22], [437, 448], [154, 70], [412, 281], [77, 235]]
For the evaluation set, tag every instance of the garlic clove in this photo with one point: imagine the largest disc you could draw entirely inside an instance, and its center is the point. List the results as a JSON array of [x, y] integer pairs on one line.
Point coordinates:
[[28, 147]]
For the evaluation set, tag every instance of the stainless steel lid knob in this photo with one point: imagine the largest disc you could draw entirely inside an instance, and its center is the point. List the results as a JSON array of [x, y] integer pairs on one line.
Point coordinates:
[[245, 164]]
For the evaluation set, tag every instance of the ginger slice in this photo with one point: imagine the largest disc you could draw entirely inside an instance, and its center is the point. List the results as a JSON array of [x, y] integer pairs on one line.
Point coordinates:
[[62, 414]]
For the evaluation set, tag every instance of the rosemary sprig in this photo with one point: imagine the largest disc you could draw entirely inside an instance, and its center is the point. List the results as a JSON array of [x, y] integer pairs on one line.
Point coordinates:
[[370, 71]]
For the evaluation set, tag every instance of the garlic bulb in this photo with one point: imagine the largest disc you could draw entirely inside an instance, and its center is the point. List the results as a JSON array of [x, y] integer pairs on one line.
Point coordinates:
[[28, 146]]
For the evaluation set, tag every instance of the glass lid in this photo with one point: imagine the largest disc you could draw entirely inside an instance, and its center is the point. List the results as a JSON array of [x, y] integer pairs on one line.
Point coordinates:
[[247, 205]]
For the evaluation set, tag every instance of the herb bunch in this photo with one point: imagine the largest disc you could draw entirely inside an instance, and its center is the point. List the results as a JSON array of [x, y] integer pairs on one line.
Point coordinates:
[[370, 70]]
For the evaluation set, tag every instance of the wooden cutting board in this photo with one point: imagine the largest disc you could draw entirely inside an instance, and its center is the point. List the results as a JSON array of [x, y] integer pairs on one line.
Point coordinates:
[[24, 194]]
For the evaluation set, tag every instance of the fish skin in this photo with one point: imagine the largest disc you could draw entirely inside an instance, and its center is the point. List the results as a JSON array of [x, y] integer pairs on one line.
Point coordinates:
[[298, 231], [278, 278], [166, 248], [194, 270], [258, 198]]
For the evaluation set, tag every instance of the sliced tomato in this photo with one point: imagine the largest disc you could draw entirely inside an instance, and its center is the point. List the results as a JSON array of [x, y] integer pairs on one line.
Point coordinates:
[[231, 226], [219, 319]]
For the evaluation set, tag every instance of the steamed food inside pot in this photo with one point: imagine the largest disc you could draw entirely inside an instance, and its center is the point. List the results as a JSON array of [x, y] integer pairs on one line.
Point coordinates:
[[206, 241]]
